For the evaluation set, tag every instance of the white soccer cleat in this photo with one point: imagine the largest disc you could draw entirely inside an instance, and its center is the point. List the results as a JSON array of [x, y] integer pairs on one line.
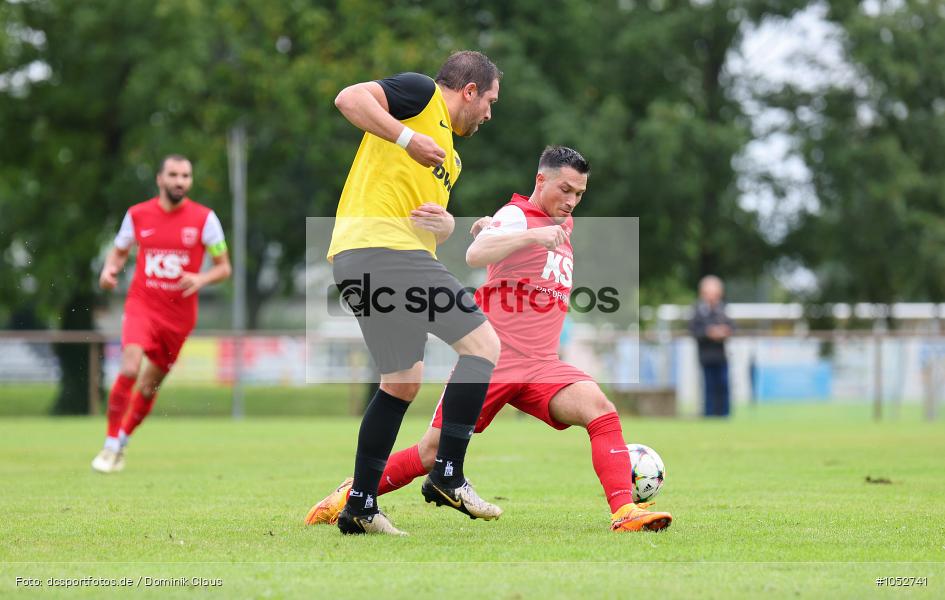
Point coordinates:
[[109, 461], [464, 499], [378, 523]]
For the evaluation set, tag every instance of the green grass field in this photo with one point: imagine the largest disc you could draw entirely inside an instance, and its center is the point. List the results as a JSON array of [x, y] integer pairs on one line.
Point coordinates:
[[774, 502], [182, 399]]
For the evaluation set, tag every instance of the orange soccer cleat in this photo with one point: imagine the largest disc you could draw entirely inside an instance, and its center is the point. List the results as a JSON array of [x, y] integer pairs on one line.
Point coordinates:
[[326, 512], [635, 517]]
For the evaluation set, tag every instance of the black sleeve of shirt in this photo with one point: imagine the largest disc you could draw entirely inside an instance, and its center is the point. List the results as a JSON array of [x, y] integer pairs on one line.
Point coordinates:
[[697, 325], [407, 94]]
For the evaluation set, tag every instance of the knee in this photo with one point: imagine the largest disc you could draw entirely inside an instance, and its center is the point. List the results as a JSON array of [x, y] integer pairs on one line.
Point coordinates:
[[598, 406], [129, 370], [604, 406], [405, 391], [428, 450], [148, 389], [485, 343], [130, 365], [492, 346]]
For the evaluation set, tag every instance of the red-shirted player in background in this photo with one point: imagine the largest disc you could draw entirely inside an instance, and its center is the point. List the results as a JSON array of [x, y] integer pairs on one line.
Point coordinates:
[[528, 285], [172, 232]]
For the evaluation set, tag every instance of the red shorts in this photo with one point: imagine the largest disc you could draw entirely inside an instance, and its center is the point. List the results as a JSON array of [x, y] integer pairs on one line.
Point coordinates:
[[528, 384], [161, 342]]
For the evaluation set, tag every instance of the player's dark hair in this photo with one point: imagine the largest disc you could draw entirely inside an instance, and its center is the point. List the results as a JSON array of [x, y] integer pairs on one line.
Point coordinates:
[[468, 66], [555, 157], [175, 157]]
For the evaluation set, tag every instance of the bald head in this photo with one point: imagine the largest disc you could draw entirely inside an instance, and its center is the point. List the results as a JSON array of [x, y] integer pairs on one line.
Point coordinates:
[[711, 290]]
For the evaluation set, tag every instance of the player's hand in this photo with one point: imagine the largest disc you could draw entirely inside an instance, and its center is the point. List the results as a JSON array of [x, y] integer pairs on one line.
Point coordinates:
[[550, 237], [425, 151], [433, 218], [108, 280], [190, 283], [718, 332], [479, 225]]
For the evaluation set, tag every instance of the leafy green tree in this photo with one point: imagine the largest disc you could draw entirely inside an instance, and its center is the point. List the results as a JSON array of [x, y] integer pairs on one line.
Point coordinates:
[[283, 66], [873, 146], [129, 81], [641, 88], [79, 145]]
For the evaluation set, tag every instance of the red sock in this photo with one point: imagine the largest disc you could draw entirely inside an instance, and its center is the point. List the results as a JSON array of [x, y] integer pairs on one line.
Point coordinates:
[[402, 468], [118, 403], [611, 459], [139, 409]]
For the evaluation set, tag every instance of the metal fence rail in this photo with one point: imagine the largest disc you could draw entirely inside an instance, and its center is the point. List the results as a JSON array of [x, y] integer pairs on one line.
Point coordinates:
[[886, 369]]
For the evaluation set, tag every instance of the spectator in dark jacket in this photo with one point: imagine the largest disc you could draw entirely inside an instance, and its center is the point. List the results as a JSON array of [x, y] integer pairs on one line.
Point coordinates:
[[711, 327]]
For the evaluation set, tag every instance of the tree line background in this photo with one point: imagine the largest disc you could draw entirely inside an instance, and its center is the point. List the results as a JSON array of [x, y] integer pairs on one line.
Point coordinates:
[[92, 94]]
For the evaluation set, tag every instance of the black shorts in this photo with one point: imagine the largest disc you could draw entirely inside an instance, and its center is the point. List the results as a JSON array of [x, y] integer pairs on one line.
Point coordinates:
[[398, 297]]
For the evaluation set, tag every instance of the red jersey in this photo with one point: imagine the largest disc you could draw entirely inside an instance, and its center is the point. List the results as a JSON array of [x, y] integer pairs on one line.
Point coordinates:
[[169, 244], [526, 294]]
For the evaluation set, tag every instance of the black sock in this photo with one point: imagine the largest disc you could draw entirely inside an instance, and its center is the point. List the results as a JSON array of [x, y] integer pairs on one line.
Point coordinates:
[[462, 403], [376, 439]]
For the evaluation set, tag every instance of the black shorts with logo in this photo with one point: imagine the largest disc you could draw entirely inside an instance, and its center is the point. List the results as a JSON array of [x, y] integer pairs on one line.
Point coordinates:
[[398, 297]]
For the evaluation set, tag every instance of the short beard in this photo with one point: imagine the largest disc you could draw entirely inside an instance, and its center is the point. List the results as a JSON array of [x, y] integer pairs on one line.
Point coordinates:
[[175, 200], [469, 125]]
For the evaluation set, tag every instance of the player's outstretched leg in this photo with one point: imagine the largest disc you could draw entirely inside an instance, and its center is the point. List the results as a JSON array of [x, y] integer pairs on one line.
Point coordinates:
[[406, 465], [461, 403], [402, 468], [463, 498], [376, 439], [111, 459], [583, 403]]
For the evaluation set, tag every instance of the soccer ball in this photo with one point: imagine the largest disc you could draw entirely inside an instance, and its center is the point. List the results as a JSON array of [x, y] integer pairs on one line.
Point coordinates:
[[647, 472]]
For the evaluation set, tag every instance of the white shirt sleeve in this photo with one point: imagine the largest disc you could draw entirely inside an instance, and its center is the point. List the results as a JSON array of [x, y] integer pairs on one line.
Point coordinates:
[[212, 231], [509, 219], [126, 233]]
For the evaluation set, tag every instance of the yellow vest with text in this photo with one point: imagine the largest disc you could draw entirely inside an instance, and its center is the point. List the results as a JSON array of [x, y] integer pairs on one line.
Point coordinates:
[[385, 184]]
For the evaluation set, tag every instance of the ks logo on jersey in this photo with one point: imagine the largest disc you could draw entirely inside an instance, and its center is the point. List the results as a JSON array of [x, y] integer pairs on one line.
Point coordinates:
[[165, 265], [559, 268]]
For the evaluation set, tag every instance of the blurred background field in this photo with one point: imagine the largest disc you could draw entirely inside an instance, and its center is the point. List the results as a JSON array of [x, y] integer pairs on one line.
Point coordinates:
[[182, 400], [333, 400], [651, 373]]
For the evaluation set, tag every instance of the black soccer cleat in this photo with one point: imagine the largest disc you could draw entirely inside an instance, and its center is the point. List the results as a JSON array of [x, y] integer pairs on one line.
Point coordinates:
[[463, 498], [350, 524]]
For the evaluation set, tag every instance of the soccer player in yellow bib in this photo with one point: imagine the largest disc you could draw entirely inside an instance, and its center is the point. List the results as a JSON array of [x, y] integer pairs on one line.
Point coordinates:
[[391, 216]]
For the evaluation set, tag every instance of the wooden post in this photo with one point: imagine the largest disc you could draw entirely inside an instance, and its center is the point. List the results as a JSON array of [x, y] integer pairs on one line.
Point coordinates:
[[236, 156], [934, 378], [878, 377], [95, 368], [355, 386]]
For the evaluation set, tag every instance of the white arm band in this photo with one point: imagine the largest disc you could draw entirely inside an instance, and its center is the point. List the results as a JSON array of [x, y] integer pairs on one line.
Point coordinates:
[[405, 136]]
